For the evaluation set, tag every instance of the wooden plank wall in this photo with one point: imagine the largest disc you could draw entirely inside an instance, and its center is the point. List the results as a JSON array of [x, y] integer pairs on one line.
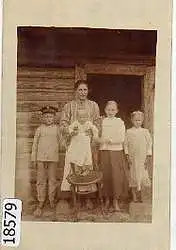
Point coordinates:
[[37, 87]]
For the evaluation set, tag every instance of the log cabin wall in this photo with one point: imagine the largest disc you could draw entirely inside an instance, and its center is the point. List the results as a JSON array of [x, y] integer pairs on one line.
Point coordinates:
[[37, 87]]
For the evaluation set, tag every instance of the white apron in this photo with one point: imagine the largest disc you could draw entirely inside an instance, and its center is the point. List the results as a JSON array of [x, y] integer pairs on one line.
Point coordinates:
[[65, 186]]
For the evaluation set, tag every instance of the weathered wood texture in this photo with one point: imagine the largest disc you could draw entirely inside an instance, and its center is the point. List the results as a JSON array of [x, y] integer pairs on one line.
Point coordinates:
[[37, 87], [149, 94]]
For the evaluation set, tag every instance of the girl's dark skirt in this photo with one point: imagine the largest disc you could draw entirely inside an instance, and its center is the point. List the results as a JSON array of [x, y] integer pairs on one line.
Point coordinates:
[[115, 174]]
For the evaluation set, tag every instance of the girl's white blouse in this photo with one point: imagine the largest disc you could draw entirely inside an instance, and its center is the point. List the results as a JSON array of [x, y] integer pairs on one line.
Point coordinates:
[[113, 129]]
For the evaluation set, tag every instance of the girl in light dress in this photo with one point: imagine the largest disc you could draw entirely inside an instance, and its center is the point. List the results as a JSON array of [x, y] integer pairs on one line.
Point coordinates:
[[138, 150], [115, 172]]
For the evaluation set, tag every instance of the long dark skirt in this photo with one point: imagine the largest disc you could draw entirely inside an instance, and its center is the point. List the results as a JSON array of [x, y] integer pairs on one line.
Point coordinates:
[[115, 174]]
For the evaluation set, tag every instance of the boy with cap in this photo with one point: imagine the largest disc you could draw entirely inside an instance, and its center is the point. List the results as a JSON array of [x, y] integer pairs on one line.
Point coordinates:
[[45, 156]]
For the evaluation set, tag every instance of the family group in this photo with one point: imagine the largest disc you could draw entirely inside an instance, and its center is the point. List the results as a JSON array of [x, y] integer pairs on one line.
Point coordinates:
[[123, 155]]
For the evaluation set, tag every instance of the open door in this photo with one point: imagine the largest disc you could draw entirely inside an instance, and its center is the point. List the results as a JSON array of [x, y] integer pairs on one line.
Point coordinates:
[[124, 89], [133, 86]]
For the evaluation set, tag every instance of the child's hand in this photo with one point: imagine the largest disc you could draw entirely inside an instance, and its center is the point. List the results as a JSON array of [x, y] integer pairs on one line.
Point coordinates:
[[100, 140], [129, 161], [75, 128], [108, 141], [96, 140], [75, 131], [88, 132]]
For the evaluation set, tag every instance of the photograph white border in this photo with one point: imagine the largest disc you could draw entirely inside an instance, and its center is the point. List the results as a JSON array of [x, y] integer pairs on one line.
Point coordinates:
[[138, 15]]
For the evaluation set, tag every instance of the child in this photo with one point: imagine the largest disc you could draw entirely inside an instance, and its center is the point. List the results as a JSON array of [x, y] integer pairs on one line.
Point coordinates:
[[138, 150], [79, 150], [45, 155], [115, 180]]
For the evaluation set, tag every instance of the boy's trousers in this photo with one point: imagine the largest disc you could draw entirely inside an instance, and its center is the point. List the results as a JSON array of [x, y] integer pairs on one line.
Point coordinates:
[[46, 174]]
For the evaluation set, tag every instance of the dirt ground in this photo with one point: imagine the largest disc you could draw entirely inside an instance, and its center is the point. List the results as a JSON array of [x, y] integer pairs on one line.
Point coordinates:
[[64, 212]]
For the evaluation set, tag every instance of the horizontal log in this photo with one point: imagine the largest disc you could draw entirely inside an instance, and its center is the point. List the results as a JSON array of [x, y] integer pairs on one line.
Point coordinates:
[[25, 130], [28, 117], [115, 69], [32, 117], [39, 83], [44, 96], [34, 106], [43, 91], [70, 61], [67, 73], [23, 145]]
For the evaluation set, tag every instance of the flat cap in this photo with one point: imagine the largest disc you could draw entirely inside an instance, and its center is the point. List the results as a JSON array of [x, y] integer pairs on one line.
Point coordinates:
[[49, 110]]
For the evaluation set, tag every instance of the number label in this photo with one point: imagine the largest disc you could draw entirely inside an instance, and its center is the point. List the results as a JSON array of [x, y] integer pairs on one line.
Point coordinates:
[[11, 222]]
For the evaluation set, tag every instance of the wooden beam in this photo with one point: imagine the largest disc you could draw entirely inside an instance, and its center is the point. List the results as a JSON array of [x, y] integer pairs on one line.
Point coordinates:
[[70, 61], [115, 69]]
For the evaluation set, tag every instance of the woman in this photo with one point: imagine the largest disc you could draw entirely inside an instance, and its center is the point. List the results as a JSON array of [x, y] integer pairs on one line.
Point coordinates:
[[71, 112]]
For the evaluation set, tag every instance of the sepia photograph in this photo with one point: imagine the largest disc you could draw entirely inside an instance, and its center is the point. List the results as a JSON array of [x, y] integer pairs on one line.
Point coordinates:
[[84, 124]]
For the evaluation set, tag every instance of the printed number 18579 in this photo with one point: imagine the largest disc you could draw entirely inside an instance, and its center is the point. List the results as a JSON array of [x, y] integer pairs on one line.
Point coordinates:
[[11, 222]]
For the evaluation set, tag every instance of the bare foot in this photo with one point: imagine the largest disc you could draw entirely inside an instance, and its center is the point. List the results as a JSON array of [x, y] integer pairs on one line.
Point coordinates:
[[89, 204], [107, 203], [52, 204], [134, 195], [116, 205], [38, 212], [41, 204]]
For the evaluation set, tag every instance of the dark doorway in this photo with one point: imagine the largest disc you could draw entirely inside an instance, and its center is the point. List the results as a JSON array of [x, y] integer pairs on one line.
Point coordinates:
[[125, 89]]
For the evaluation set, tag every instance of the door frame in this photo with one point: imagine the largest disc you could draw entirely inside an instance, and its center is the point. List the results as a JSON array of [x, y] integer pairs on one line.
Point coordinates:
[[146, 72]]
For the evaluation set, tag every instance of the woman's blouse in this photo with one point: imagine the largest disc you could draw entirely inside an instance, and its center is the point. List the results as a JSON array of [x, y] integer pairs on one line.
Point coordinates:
[[71, 111]]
